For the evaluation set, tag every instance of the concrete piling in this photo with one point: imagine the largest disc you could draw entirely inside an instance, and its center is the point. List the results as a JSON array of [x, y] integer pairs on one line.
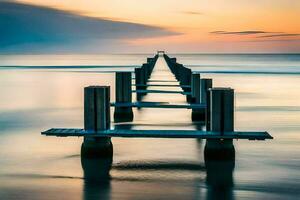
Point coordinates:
[[96, 118], [123, 95], [221, 120]]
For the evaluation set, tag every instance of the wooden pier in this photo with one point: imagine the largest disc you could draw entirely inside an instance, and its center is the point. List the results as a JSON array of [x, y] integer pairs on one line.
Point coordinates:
[[214, 106], [65, 132]]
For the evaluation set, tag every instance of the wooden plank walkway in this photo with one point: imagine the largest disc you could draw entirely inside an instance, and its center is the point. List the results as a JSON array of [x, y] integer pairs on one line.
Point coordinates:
[[220, 107], [159, 105], [63, 132]]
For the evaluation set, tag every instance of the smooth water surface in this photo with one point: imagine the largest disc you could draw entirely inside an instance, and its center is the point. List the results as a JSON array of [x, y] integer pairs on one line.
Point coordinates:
[[34, 99]]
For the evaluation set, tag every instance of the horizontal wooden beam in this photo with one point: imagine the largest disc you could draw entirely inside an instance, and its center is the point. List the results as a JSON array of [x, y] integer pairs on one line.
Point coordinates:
[[159, 105], [162, 92], [63, 132]]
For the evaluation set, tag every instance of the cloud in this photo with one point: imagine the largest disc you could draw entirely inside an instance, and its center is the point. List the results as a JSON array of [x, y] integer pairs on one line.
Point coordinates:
[[279, 35], [26, 27], [248, 32], [274, 40], [192, 13], [261, 34]]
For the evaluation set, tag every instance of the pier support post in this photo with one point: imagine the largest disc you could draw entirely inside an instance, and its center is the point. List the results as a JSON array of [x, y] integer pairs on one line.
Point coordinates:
[[188, 81], [173, 60], [195, 88], [96, 118], [204, 85], [123, 95], [146, 71], [221, 120], [207, 110], [140, 82]]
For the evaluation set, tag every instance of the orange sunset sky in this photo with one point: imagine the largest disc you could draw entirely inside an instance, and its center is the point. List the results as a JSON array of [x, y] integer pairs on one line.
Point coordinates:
[[199, 25]]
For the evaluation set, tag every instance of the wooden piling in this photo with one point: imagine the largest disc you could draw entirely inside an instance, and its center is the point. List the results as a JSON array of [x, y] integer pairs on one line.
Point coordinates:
[[201, 96], [219, 103], [123, 95], [195, 88], [221, 120], [96, 118], [207, 110], [173, 60], [140, 80], [205, 85]]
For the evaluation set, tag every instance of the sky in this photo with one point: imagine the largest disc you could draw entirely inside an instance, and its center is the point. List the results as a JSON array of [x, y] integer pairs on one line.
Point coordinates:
[[182, 26]]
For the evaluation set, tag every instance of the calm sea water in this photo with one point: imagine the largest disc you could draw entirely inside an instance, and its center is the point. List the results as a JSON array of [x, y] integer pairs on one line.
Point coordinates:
[[41, 91]]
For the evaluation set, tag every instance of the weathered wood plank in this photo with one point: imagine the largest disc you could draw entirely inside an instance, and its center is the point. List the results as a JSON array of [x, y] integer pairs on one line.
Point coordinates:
[[160, 134]]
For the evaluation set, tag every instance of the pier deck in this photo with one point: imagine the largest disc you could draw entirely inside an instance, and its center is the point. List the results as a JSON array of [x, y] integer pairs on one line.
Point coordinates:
[[63, 132], [212, 105]]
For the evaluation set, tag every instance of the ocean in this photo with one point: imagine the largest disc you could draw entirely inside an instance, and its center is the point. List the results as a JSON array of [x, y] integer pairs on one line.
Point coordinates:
[[38, 92]]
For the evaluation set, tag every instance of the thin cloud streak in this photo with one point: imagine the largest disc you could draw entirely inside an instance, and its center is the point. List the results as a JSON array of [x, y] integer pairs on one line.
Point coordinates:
[[279, 35], [248, 32], [193, 13], [275, 40]]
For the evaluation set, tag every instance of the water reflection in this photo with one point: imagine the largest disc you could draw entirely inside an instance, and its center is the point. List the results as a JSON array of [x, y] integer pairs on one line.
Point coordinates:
[[96, 178], [219, 179], [219, 176]]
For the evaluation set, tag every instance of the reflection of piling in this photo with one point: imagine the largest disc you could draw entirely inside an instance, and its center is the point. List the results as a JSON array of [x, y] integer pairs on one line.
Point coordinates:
[[96, 118], [123, 95], [96, 170], [221, 120], [219, 179], [96, 178]]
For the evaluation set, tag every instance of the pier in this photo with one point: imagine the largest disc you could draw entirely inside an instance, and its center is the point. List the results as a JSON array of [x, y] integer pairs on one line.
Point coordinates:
[[210, 105]]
